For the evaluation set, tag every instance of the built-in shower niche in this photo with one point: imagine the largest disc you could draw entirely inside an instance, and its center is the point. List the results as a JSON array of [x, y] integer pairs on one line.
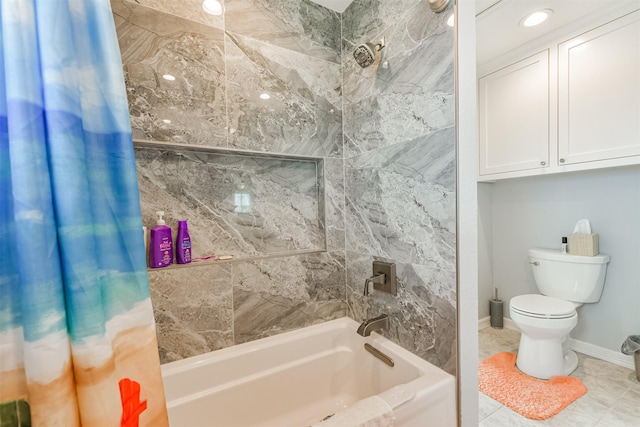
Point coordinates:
[[240, 203]]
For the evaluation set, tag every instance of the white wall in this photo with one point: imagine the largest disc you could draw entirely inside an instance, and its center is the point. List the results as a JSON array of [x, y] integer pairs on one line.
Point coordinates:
[[466, 193], [538, 211]]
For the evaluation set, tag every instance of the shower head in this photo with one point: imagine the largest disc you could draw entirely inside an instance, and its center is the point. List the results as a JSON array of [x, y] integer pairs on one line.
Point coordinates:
[[366, 54]]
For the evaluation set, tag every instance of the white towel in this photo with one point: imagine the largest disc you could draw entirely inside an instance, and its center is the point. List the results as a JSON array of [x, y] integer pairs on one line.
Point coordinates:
[[370, 412]]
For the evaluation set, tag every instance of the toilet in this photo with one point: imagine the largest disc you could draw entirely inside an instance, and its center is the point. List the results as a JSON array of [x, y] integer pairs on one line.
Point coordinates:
[[565, 282]]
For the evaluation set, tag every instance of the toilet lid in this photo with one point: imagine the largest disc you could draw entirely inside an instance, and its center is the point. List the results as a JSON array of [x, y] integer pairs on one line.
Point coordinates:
[[542, 306]]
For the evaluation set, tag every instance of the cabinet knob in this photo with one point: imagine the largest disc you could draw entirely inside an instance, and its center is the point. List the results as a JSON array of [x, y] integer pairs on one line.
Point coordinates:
[[561, 160], [543, 163]]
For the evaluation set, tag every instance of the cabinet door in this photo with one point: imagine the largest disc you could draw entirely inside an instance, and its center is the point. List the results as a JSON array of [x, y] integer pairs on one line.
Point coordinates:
[[514, 116], [599, 93]]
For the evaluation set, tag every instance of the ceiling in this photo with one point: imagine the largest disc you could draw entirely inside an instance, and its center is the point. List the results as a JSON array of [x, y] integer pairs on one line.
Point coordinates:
[[498, 30]]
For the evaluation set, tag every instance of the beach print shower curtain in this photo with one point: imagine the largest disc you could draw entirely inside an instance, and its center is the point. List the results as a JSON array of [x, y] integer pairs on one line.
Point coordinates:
[[77, 334]]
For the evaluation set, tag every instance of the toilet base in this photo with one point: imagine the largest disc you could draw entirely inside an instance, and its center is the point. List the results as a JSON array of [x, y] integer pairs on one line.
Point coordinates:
[[545, 359], [544, 345], [570, 362]]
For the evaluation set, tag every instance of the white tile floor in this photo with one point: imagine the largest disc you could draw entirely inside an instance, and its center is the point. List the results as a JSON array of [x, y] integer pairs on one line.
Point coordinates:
[[612, 399]]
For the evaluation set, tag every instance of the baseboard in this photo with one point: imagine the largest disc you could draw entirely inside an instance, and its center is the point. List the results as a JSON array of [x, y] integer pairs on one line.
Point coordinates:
[[602, 353], [485, 322], [592, 350]]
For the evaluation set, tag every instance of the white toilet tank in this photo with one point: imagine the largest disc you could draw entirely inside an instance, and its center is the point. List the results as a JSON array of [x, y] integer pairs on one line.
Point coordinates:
[[569, 277]]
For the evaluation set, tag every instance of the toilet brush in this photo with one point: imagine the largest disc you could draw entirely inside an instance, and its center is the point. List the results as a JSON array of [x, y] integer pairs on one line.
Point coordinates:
[[496, 311]]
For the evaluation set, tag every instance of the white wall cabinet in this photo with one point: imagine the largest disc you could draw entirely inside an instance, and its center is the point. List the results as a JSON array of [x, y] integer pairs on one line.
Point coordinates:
[[599, 93], [514, 116], [573, 106]]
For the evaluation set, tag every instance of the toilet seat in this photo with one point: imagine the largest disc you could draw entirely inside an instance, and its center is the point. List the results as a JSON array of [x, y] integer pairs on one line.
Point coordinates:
[[542, 307]]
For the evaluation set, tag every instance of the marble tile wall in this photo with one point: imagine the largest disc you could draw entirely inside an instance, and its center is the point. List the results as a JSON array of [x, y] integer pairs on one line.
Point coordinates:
[[385, 136], [201, 308], [400, 171], [154, 43], [303, 114], [290, 50]]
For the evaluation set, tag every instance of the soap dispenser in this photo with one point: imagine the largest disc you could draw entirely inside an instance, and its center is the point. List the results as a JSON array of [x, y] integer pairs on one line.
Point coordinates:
[[160, 244]]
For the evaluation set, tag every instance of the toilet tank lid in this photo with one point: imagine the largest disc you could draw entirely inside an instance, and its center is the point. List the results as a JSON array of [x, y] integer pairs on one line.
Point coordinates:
[[555, 255]]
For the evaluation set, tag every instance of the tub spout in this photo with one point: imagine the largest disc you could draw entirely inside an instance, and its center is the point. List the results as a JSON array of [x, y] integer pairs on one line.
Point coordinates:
[[375, 324]]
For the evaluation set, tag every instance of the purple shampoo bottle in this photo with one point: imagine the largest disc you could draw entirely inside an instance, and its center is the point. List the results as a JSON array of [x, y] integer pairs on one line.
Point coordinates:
[[160, 244], [183, 243]]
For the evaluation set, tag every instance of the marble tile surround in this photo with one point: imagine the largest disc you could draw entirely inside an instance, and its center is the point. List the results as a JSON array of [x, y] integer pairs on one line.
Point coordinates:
[[290, 50], [302, 26], [422, 318], [366, 20], [193, 308], [188, 9], [221, 67], [280, 294], [201, 308], [414, 96], [400, 201], [190, 109], [303, 114], [400, 172], [386, 136], [400, 207]]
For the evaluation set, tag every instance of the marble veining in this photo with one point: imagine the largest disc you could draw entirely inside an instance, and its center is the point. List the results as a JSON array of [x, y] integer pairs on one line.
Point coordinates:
[[414, 96], [190, 109], [399, 149], [188, 9], [421, 316], [335, 203], [205, 307], [193, 310], [400, 204], [365, 20], [279, 294], [235, 204], [303, 114], [386, 136], [256, 206], [302, 25]]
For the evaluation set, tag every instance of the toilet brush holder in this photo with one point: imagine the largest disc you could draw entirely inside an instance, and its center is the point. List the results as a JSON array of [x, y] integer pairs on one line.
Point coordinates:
[[496, 311]]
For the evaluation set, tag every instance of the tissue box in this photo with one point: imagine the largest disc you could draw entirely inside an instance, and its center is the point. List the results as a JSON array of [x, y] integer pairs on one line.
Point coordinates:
[[584, 244]]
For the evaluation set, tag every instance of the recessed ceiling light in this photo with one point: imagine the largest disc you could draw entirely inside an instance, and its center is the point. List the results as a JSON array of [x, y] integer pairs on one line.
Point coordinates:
[[265, 96], [536, 18], [212, 7], [167, 121], [168, 77]]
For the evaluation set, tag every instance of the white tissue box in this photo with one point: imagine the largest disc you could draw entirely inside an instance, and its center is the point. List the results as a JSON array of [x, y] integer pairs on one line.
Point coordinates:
[[584, 244]]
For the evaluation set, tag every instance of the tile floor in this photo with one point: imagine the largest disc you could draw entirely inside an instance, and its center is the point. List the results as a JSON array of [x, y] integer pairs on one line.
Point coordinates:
[[612, 399]]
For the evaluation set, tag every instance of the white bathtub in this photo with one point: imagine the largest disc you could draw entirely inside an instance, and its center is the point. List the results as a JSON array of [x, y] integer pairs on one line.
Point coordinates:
[[299, 377]]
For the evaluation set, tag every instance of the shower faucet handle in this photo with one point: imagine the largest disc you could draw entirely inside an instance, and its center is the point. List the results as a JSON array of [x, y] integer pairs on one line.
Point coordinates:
[[379, 279], [383, 279]]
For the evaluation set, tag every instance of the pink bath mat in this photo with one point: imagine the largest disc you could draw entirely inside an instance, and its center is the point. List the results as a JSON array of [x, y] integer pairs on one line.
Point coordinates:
[[537, 399]]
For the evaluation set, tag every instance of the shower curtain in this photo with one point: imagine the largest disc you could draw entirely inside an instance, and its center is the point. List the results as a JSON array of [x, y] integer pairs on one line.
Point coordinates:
[[77, 334]]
